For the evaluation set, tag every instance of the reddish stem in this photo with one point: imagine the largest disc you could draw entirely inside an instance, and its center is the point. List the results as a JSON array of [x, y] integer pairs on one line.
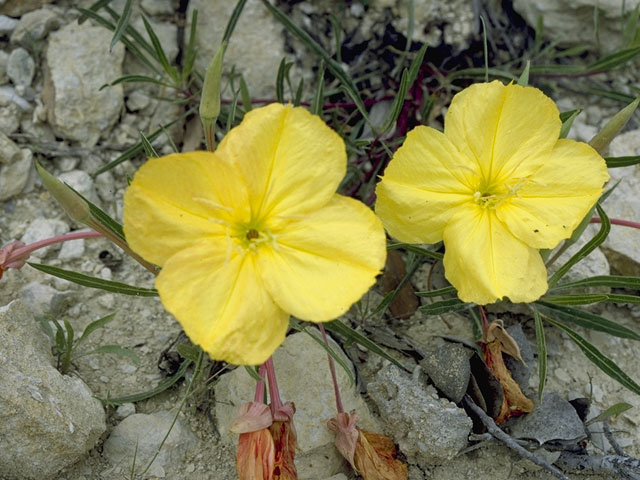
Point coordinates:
[[27, 249], [274, 394], [332, 368], [616, 221], [259, 396]]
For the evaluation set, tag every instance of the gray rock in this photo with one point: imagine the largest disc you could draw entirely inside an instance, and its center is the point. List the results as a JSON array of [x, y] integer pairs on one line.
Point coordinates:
[[449, 370], [7, 24], [125, 410], [157, 7], [256, 26], [137, 100], [21, 68], [15, 175], [9, 117], [622, 246], [552, 419], [428, 429], [142, 434], [34, 26], [17, 8], [9, 96], [41, 229], [9, 151], [49, 421], [72, 249], [79, 63], [42, 299], [305, 380], [571, 23]]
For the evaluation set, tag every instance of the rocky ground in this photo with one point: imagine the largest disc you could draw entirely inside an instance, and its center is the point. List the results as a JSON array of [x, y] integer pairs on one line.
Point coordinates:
[[52, 109]]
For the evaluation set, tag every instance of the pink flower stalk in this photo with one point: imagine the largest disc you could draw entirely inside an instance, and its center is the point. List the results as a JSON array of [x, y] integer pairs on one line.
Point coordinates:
[[16, 253]]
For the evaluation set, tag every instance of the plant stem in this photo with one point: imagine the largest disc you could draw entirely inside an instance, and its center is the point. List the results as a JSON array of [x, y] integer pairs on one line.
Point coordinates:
[[616, 221], [27, 249], [259, 396], [332, 368], [485, 322], [274, 394]]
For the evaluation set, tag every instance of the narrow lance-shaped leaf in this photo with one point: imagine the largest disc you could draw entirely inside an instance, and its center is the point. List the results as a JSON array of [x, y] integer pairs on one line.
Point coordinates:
[[318, 98], [612, 411], [542, 353], [95, 325], [615, 281], [445, 306], [603, 138], [122, 24], [616, 162], [94, 282], [586, 320], [523, 80], [599, 359]]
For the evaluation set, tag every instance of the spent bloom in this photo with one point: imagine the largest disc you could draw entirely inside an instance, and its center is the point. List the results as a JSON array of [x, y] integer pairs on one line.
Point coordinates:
[[495, 187], [254, 232]]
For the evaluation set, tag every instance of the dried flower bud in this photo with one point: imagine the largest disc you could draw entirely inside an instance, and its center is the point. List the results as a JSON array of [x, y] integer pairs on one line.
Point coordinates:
[[256, 455], [252, 416], [284, 439]]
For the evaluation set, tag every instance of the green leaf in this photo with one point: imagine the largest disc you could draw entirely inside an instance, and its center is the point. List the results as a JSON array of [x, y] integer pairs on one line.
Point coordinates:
[[162, 386], [437, 293], [189, 351], [600, 360], [137, 79], [298, 97], [586, 249], [612, 411], [69, 336], [122, 24], [253, 373], [523, 80], [615, 162], [586, 320], [337, 358], [148, 148], [159, 51], [332, 65], [614, 281], [542, 353], [613, 60], [93, 282], [318, 98], [231, 115], [283, 71], [95, 325], [567, 121], [46, 327], [127, 42], [351, 335], [233, 20], [415, 249], [244, 93], [588, 298], [445, 306], [408, 77], [136, 149], [114, 350], [190, 53]]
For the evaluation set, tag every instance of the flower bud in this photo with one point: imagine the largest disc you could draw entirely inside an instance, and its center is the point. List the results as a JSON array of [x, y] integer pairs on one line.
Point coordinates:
[[210, 100]]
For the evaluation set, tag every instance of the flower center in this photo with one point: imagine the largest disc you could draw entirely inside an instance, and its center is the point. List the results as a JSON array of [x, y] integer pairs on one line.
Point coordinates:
[[493, 196], [252, 234], [251, 237]]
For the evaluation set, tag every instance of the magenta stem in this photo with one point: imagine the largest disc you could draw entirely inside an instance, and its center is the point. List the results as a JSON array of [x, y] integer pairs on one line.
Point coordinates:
[[22, 252], [616, 221], [274, 394], [332, 368], [259, 396]]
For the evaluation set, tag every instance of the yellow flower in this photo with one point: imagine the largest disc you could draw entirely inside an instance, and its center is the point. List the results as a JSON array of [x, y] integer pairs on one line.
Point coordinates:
[[254, 232], [496, 186]]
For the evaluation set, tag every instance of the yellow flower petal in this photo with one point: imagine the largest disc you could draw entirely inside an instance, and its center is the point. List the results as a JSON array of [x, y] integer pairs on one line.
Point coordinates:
[[508, 129], [177, 200], [219, 299], [485, 262], [426, 180], [291, 161], [326, 261], [551, 204]]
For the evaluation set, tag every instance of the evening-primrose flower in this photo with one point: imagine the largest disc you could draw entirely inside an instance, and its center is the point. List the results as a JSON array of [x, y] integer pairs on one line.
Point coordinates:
[[496, 186], [254, 232]]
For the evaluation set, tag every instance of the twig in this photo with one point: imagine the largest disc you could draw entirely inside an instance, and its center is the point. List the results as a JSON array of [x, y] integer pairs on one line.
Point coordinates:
[[609, 436], [494, 430], [601, 464]]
